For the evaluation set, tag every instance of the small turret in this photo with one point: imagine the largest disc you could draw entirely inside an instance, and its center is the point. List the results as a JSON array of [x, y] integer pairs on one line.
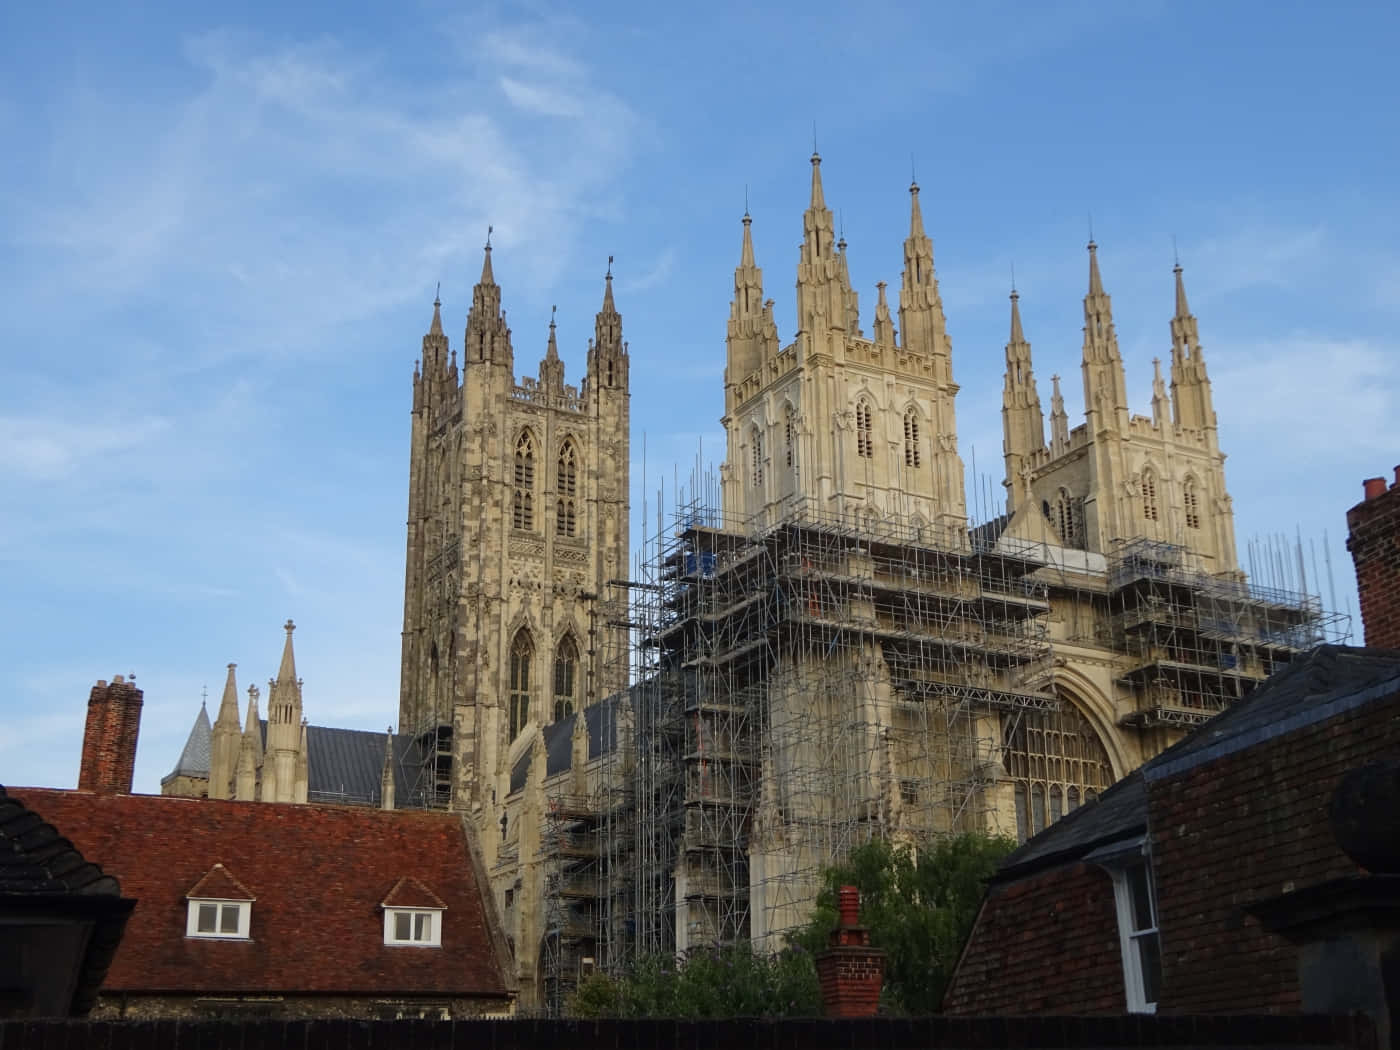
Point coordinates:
[[1059, 421], [1161, 405], [884, 324], [821, 294], [551, 368], [751, 338], [386, 775], [250, 753]]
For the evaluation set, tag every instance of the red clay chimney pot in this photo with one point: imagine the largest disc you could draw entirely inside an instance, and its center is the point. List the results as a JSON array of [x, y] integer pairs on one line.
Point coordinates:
[[1373, 487]]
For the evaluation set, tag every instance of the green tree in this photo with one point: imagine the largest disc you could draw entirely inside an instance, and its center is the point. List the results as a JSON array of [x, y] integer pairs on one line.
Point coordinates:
[[919, 906], [733, 981]]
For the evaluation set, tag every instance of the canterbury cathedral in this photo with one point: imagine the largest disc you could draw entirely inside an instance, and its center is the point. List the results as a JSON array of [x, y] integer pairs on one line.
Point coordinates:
[[663, 748]]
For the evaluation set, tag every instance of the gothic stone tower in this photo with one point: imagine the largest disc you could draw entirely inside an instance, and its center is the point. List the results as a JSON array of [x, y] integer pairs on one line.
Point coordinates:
[[837, 424], [1119, 477], [517, 520]]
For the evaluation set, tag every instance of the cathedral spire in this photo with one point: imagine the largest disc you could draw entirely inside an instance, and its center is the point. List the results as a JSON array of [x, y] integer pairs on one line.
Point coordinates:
[[223, 741], [916, 213], [922, 323], [287, 670], [1105, 389], [551, 368], [818, 201], [487, 275], [488, 337], [1023, 424], [436, 327], [747, 340], [1192, 401]]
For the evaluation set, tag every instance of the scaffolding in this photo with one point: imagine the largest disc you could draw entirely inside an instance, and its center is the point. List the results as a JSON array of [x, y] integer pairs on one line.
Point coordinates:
[[804, 687], [1193, 642]]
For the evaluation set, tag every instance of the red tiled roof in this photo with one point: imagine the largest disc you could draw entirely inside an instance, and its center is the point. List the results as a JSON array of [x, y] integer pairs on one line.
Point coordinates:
[[219, 885], [408, 892], [320, 874]]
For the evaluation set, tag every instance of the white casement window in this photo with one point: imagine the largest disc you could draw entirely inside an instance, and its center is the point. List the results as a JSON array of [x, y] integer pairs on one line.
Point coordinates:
[[1137, 931], [227, 920], [419, 927]]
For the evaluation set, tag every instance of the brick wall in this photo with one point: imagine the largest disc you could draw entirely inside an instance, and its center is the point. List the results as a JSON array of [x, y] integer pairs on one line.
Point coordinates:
[[109, 737], [1247, 826], [1373, 527], [1046, 944]]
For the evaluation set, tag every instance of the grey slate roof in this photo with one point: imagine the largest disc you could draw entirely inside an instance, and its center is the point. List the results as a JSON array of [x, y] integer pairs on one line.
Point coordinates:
[[346, 765], [194, 759], [1325, 682], [1320, 685], [1118, 813], [601, 721]]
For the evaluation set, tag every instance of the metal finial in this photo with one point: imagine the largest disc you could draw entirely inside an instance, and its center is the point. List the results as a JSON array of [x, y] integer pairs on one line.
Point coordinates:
[[437, 295], [552, 310], [1176, 258], [610, 262], [746, 198], [1091, 228], [1013, 278], [913, 172], [814, 138], [204, 695], [489, 230], [841, 224]]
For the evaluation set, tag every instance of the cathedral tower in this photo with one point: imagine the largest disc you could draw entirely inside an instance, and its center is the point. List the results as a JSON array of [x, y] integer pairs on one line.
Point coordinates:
[[517, 521], [836, 424]]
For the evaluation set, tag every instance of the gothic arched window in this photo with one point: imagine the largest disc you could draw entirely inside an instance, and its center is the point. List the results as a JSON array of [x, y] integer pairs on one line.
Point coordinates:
[[522, 655], [756, 449], [1191, 498], [1068, 518], [788, 435], [911, 438], [566, 481], [565, 677], [523, 501], [865, 443], [1149, 495], [1054, 758]]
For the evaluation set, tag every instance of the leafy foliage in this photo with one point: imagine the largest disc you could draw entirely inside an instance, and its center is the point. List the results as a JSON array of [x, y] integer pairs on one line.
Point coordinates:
[[919, 907], [733, 981]]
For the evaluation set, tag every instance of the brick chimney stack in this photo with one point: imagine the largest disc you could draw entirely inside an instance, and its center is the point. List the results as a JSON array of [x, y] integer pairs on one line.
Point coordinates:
[[1374, 541], [851, 973], [109, 739]]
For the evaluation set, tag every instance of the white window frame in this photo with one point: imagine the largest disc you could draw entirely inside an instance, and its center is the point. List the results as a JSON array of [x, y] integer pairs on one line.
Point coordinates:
[[242, 909], [1129, 935], [434, 933]]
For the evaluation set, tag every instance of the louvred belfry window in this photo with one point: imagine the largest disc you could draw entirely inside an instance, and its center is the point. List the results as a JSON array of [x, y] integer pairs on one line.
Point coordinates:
[[865, 444], [566, 481]]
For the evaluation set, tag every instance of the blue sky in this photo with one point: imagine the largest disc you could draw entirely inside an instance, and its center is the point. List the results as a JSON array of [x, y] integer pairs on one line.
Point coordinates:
[[221, 228]]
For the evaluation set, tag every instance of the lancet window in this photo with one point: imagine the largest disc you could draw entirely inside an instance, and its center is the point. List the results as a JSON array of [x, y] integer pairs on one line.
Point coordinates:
[[865, 443], [911, 438], [1192, 500], [756, 450], [566, 482], [522, 655], [565, 677], [523, 499], [1149, 495]]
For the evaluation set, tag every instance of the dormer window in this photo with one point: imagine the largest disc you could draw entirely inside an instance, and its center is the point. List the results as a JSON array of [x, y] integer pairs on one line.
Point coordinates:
[[224, 919], [420, 927], [412, 915], [219, 907]]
